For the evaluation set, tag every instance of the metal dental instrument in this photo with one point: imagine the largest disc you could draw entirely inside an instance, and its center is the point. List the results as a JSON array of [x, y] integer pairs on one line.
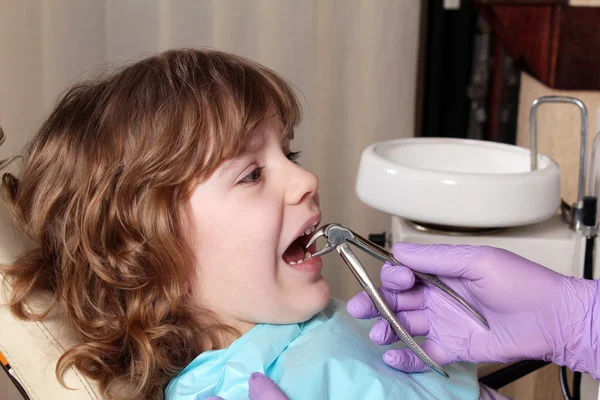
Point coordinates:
[[338, 238]]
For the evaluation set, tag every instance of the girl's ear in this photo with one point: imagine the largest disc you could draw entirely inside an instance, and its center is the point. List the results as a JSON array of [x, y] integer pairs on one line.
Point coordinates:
[[11, 184], [9, 181]]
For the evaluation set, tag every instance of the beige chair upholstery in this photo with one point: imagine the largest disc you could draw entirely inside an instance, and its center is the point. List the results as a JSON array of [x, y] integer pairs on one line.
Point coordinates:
[[33, 348]]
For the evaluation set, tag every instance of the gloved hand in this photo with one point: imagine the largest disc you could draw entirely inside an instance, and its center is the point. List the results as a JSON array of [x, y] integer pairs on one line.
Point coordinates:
[[260, 388], [533, 312]]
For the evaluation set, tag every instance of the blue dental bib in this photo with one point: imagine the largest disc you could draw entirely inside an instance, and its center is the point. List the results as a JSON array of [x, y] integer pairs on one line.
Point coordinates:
[[327, 357]]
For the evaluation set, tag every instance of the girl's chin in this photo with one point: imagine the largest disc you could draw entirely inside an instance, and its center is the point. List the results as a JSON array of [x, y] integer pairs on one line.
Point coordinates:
[[316, 299], [302, 305]]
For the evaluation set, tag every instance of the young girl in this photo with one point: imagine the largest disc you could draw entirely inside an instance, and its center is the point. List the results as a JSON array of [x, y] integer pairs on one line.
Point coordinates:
[[169, 215]]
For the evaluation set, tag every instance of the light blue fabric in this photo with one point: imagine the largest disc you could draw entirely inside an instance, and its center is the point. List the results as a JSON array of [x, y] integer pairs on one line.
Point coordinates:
[[327, 357]]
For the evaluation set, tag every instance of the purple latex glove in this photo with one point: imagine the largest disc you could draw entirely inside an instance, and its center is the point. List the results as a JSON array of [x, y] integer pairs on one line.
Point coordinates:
[[260, 387], [534, 313], [486, 393]]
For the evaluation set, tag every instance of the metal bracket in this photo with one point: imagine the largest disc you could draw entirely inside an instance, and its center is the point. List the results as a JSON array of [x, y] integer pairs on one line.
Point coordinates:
[[576, 213]]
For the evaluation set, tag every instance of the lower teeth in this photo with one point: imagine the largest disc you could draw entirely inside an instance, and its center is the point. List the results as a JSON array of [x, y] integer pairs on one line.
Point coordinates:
[[307, 256]]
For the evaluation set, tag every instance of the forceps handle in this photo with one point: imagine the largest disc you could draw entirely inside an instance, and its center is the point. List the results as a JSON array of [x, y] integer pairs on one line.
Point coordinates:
[[385, 256], [365, 281]]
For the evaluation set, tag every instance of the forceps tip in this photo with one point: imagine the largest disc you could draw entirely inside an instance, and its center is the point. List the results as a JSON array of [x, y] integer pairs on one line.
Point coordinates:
[[323, 251], [485, 324], [321, 232], [440, 371], [316, 235]]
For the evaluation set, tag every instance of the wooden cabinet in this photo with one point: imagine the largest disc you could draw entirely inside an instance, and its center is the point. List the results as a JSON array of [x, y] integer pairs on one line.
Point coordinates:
[[556, 43]]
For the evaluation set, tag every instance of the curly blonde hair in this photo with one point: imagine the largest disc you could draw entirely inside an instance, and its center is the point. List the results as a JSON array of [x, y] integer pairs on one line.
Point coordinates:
[[100, 196]]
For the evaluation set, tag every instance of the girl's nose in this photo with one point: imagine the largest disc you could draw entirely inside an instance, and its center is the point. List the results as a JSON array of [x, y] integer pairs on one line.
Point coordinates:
[[301, 185]]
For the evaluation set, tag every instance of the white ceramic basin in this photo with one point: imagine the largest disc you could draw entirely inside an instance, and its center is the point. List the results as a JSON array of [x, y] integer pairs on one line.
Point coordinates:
[[458, 182]]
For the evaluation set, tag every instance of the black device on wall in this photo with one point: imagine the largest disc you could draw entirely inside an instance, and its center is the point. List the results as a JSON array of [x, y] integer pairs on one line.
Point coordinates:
[[470, 83]]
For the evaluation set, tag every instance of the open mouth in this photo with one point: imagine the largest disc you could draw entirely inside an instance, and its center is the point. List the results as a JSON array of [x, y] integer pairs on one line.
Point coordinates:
[[296, 252]]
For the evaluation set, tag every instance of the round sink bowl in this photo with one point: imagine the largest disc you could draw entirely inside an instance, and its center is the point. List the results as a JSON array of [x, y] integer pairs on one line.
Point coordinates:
[[458, 182]]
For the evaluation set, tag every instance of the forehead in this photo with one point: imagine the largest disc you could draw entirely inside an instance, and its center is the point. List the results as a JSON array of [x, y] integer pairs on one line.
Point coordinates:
[[270, 127], [255, 140]]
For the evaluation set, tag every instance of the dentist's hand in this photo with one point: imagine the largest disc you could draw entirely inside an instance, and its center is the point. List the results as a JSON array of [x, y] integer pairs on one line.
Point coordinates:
[[533, 312], [260, 387]]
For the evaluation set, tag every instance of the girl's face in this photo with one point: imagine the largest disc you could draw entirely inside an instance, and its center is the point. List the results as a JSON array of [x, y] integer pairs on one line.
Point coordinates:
[[245, 219]]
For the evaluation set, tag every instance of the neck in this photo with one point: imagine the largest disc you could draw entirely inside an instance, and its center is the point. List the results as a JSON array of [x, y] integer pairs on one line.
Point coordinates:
[[236, 330]]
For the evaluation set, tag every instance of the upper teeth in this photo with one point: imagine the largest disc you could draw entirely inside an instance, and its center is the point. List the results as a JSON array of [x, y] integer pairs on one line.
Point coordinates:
[[310, 230], [307, 254]]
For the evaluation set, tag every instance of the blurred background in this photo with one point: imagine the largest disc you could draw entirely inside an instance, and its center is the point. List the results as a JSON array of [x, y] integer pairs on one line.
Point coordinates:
[[366, 71]]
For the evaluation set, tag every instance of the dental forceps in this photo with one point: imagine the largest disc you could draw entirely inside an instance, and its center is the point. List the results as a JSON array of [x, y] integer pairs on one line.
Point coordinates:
[[338, 238]]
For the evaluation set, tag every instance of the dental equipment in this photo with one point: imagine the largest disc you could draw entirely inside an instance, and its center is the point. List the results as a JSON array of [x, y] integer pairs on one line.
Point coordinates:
[[576, 210], [338, 238]]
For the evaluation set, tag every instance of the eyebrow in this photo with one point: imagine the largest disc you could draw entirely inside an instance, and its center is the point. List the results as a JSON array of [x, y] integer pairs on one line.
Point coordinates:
[[229, 165], [253, 145]]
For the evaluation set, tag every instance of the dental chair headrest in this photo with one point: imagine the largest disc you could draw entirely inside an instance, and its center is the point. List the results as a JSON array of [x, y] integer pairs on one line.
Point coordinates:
[[33, 348]]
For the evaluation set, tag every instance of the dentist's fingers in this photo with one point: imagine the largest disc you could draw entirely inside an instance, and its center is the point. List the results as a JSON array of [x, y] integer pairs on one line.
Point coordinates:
[[416, 323], [406, 361], [396, 277], [263, 388], [439, 259], [361, 306]]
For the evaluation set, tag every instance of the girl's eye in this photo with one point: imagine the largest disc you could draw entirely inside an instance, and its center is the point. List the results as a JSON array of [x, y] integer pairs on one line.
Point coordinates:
[[253, 177], [293, 156]]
